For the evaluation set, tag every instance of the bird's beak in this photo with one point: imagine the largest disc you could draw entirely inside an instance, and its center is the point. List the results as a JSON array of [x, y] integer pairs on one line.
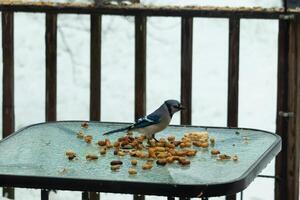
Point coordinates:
[[181, 107]]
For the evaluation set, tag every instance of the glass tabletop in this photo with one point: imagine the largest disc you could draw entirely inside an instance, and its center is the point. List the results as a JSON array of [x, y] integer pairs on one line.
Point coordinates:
[[39, 151]]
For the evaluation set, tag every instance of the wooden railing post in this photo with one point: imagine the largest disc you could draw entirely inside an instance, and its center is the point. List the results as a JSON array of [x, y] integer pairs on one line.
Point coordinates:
[[8, 111], [186, 69], [288, 110], [95, 81], [186, 72], [140, 71], [51, 74], [140, 66], [281, 122], [95, 62], [51, 61], [233, 77], [44, 194], [233, 72]]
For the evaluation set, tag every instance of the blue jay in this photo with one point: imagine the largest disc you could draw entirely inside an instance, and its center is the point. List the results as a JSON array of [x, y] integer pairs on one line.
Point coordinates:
[[154, 122]]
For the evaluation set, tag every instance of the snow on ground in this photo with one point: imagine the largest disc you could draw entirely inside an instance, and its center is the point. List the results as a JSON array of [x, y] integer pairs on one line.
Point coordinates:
[[232, 3], [258, 62]]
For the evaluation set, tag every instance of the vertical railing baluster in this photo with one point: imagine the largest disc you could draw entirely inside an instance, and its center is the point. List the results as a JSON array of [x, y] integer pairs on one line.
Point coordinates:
[[140, 72], [44, 194], [294, 137], [138, 197], [233, 77], [51, 54], [94, 195], [184, 198], [288, 109], [51, 74], [186, 71], [282, 94], [233, 72], [140, 66], [95, 62], [8, 112], [95, 78], [85, 196]]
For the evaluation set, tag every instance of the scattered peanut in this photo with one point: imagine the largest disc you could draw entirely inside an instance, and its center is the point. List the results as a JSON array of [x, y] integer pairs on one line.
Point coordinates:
[[235, 158], [116, 162], [116, 144], [171, 138], [80, 134], [132, 171], [162, 155], [159, 149], [215, 152], [115, 167], [177, 143], [84, 125], [184, 161], [134, 162], [170, 159], [88, 138], [224, 157], [204, 145], [161, 161], [91, 157], [180, 153], [70, 154], [147, 166], [101, 143], [149, 161], [108, 143], [191, 152], [103, 151], [185, 144], [164, 151], [121, 153]]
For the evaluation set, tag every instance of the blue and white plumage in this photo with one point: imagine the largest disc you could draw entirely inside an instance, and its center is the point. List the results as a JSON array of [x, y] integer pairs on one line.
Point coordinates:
[[154, 122]]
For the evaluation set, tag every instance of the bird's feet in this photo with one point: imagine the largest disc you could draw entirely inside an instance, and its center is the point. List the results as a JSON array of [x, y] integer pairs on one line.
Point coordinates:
[[153, 137], [151, 142]]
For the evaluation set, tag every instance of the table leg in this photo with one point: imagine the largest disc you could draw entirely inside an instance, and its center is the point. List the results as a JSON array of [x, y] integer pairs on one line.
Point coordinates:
[[85, 196], [44, 194], [171, 198], [231, 197], [94, 196], [138, 197]]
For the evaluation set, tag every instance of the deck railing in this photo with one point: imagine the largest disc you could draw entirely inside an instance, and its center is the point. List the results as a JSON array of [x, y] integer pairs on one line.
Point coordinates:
[[288, 89]]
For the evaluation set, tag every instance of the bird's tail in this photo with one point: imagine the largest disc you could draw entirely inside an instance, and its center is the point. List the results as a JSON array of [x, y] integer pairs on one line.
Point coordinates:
[[118, 130]]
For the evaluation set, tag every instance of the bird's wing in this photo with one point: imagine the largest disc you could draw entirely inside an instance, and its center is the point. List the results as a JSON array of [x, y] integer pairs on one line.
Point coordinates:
[[146, 121]]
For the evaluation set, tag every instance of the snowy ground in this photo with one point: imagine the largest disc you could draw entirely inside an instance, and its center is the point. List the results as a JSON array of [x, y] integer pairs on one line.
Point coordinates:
[[258, 62], [232, 3]]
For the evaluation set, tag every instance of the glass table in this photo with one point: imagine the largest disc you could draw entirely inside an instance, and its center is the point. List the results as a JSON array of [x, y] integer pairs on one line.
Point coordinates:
[[34, 157]]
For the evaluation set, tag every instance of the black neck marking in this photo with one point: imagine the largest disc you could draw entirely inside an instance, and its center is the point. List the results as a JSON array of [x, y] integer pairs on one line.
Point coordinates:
[[170, 111]]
